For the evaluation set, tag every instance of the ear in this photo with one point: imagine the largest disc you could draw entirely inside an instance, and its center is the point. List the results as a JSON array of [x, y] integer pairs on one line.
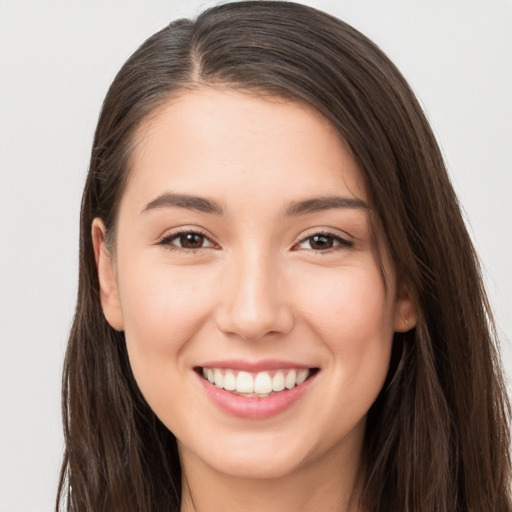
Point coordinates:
[[406, 312], [109, 294]]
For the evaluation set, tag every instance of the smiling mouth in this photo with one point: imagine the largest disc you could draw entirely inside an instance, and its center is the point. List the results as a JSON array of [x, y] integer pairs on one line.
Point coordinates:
[[256, 384]]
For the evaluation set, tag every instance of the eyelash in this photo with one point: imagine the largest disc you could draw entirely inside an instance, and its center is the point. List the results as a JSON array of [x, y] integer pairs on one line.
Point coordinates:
[[168, 240], [342, 242]]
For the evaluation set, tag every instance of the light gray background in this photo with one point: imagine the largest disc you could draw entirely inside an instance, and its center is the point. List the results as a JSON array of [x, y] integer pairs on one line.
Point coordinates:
[[57, 59]]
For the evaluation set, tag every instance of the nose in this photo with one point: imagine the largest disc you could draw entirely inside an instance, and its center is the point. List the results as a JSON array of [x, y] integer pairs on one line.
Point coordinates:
[[253, 299]]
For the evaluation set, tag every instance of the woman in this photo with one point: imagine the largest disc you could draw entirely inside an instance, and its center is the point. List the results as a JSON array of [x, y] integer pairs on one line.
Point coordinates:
[[279, 305]]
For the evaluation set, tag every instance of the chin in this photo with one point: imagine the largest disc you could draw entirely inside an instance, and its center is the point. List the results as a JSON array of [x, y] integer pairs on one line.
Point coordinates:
[[250, 457], [272, 468]]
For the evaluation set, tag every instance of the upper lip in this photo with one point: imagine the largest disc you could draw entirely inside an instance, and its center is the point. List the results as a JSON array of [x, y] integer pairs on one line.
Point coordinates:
[[254, 366]]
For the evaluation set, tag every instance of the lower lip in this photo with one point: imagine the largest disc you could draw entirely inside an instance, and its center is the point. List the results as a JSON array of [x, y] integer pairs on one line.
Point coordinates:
[[253, 407]]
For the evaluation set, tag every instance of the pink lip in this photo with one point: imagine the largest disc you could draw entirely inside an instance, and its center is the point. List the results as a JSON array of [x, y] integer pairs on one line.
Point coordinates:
[[254, 366], [254, 408]]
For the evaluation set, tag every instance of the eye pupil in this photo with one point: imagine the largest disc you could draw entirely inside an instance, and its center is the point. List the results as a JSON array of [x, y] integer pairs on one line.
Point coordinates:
[[321, 242], [191, 240]]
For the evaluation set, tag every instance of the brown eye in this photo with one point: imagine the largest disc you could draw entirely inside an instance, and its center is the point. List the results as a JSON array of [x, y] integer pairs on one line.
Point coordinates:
[[187, 240], [321, 242], [191, 240]]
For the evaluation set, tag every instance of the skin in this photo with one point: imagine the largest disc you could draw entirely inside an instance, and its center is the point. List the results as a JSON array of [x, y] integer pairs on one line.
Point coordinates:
[[258, 288]]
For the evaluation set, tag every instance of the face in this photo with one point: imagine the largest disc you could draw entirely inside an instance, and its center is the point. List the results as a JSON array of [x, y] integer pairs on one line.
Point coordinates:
[[246, 280]]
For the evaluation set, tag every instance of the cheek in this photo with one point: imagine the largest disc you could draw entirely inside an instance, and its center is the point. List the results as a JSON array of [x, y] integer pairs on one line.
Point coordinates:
[[353, 316], [350, 307], [163, 308]]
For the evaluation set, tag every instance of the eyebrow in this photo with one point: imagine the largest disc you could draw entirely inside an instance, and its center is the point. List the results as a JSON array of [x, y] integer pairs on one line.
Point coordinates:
[[317, 204], [296, 208], [170, 199]]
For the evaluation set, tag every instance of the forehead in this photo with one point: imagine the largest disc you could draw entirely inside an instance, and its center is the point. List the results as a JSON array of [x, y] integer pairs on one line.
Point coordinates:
[[225, 141]]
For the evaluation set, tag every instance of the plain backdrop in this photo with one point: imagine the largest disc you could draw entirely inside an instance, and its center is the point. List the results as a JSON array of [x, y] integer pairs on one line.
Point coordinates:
[[57, 59]]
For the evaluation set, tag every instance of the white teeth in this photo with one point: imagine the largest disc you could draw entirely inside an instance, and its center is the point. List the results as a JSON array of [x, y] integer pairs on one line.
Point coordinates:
[[244, 383], [278, 381], [290, 380], [302, 376], [263, 383], [219, 378], [260, 384], [229, 381]]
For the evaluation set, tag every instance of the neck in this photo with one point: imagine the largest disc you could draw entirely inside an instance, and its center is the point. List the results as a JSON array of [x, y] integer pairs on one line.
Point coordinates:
[[332, 483]]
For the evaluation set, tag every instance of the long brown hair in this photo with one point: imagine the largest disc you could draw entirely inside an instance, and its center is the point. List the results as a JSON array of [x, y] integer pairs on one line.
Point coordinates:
[[437, 438]]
